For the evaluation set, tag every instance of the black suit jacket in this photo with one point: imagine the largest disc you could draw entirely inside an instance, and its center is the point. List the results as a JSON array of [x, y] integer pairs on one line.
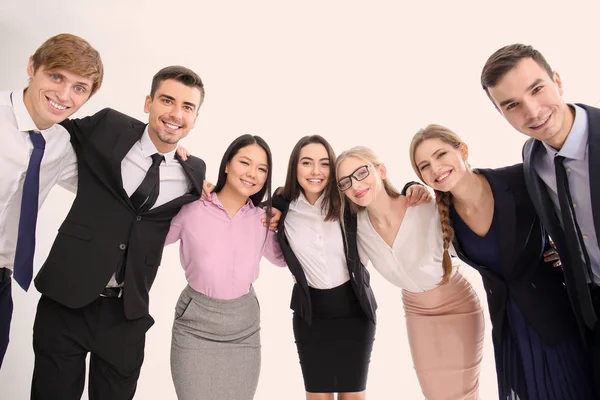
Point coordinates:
[[359, 275], [545, 208], [102, 229], [536, 286]]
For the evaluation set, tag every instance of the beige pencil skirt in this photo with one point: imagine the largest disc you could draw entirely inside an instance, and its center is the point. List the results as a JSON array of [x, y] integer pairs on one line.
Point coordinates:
[[445, 331]]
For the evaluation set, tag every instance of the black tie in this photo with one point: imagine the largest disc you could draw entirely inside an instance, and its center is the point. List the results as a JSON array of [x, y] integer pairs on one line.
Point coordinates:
[[146, 194], [579, 261], [143, 199]]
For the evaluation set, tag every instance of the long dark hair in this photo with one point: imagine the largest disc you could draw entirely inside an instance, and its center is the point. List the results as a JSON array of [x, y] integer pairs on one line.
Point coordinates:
[[234, 147], [292, 189]]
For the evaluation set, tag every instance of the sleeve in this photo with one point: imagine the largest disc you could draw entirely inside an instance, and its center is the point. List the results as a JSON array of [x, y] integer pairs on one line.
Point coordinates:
[[272, 250], [68, 172], [408, 184], [176, 227], [80, 129]]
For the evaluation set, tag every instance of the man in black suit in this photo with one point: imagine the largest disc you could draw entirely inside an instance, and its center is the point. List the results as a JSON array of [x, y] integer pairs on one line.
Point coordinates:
[[562, 171], [96, 279]]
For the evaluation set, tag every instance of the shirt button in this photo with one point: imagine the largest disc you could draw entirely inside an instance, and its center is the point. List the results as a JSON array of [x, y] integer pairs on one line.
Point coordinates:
[[122, 246], [585, 236], [138, 218], [568, 169], [574, 205]]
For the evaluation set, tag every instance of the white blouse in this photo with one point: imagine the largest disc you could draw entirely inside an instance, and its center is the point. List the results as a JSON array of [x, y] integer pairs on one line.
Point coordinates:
[[414, 262], [317, 244]]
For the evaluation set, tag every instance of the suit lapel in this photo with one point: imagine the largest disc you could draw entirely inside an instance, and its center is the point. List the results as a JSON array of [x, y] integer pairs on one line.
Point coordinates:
[[504, 205], [187, 197], [350, 225], [126, 140], [538, 192], [594, 163]]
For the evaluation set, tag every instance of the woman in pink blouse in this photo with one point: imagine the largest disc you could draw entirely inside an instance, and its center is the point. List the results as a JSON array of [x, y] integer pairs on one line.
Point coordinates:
[[215, 347]]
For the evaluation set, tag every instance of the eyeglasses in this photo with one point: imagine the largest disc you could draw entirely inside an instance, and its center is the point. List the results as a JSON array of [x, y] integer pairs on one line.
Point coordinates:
[[359, 174]]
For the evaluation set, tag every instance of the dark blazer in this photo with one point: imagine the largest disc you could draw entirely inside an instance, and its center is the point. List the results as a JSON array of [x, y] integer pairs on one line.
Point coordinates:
[[359, 275], [545, 208], [536, 286], [102, 229]]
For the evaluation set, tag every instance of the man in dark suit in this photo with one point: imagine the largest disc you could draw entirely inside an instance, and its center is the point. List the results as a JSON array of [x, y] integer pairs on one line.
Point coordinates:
[[562, 171], [96, 279]]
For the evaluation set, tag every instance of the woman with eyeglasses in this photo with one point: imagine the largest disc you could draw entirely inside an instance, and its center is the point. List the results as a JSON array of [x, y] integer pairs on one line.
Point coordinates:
[[334, 307], [407, 246]]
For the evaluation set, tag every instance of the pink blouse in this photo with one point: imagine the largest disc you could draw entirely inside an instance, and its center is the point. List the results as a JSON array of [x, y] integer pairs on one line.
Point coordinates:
[[221, 255]]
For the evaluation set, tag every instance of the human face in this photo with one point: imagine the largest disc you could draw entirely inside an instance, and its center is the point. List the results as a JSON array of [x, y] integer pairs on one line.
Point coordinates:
[[247, 171], [365, 191], [313, 170], [172, 113], [531, 101], [53, 95], [441, 165]]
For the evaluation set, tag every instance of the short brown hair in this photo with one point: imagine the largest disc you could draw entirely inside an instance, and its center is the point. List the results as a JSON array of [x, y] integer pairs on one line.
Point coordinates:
[[180, 74], [505, 59], [70, 52]]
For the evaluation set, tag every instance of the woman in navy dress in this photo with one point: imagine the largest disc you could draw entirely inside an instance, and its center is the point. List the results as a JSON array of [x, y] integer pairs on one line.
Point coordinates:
[[490, 218]]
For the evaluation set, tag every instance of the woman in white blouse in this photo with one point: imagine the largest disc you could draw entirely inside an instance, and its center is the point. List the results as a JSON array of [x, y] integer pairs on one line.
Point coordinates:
[[407, 246], [334, 307]]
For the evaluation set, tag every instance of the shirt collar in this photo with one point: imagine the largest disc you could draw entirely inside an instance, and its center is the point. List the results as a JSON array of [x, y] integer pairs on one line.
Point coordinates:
[[576, 143], [301, 200], [214, 199], [148, 148], [24, 121]]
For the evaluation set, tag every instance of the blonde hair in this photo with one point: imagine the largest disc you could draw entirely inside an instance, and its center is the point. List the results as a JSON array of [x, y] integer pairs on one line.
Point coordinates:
[[369, 156], [443, 199], [70, 52]]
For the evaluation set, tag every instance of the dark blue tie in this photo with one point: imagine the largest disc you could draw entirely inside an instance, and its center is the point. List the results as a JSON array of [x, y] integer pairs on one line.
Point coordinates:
[[29, 210]]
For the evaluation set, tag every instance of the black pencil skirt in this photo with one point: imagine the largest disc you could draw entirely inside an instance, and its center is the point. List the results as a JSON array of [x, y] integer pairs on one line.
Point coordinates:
[[335, 349]]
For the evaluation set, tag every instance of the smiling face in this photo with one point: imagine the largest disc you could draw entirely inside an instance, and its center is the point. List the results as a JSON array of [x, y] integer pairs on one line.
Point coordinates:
[[440, 164], [53, 95], [248, 170], [531, 101], [172, 113], [369, 186], [313, 170]]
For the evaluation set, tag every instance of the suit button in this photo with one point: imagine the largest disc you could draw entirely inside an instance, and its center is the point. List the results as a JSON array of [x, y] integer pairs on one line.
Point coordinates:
[[122, 246], [138, 218], [353, 277], [490, 291], [564, 285], [533, 285]]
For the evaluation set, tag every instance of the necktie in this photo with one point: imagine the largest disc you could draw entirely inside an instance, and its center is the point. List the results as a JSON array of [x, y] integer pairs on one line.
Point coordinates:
[[29, 210], [146, 194], [143, 199], [578, 259]]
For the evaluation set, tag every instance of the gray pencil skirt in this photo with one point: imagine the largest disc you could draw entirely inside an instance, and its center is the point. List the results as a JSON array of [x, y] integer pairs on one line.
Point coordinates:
[[215, 347]]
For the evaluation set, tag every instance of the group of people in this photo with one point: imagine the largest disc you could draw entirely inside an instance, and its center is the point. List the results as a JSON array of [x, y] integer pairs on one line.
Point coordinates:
[[530, 230]]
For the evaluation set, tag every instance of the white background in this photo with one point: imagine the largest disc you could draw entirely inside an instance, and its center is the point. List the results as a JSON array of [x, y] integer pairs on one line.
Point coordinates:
[[368, 73]]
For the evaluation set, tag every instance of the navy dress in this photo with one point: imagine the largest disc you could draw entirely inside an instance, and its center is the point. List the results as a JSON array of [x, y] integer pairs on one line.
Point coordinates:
[[526, 367]]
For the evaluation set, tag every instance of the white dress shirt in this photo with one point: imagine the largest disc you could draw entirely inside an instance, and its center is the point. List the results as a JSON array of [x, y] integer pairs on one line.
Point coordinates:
[[59, 165], [577, 164], [414, 262], [317, 244], [173, 180]]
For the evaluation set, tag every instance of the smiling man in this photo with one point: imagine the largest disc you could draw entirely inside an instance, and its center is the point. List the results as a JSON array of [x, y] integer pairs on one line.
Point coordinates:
[[95, 282], [562, 170], [36, 154]]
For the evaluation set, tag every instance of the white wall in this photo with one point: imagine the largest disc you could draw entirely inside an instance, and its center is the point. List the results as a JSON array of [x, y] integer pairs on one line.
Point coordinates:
[[367, 73]]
